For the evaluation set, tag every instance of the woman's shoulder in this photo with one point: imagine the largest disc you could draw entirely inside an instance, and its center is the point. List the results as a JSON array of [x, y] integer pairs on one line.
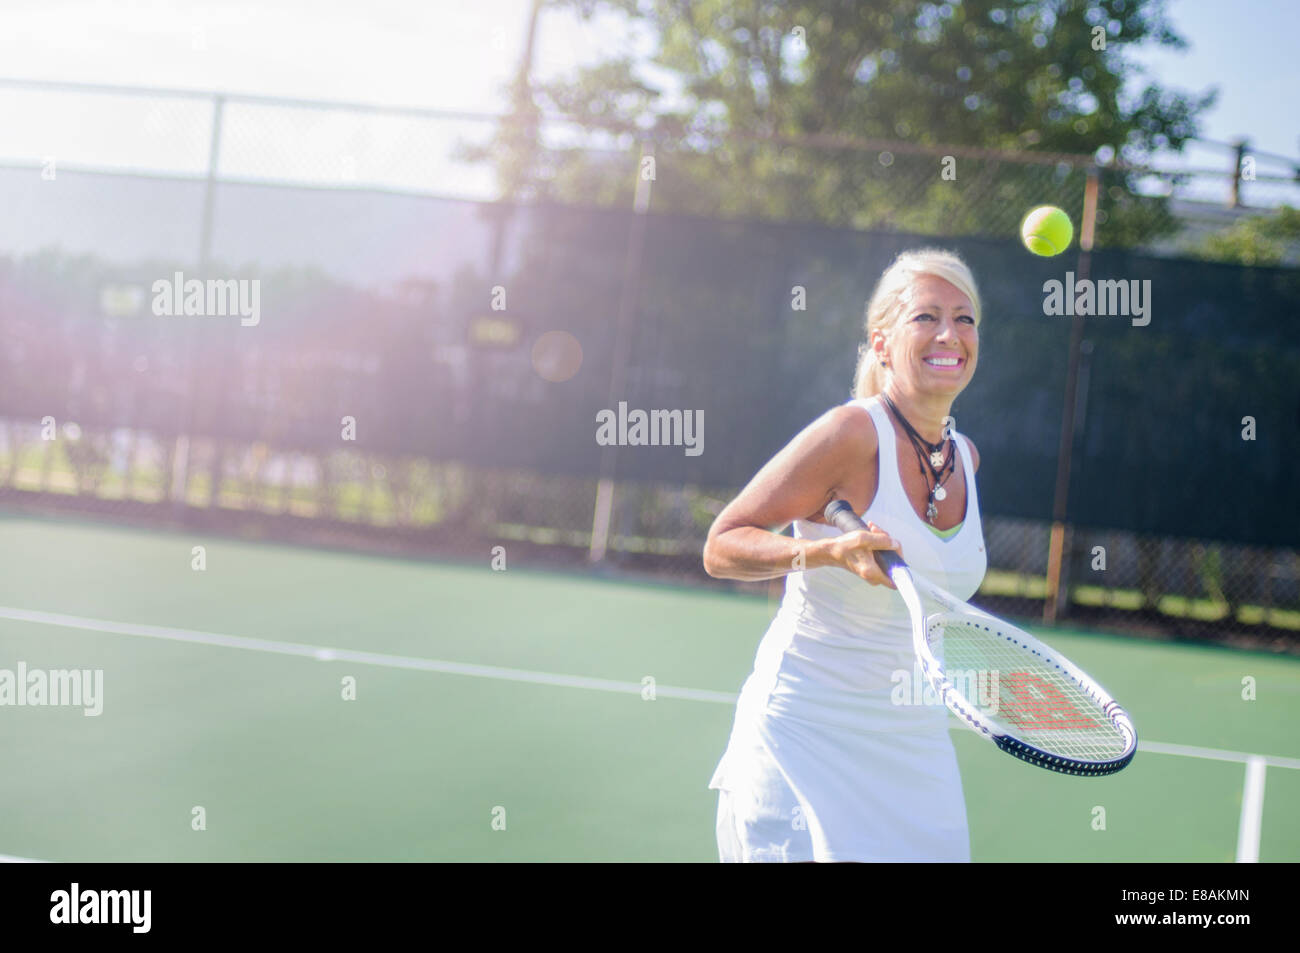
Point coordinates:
[[841, 438], [850, 423]]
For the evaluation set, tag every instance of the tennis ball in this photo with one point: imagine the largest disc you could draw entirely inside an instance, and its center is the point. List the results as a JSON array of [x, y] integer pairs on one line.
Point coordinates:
[[1046, 231]]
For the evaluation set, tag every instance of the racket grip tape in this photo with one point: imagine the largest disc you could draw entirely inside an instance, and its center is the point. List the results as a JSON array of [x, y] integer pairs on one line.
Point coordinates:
[[841, 515]]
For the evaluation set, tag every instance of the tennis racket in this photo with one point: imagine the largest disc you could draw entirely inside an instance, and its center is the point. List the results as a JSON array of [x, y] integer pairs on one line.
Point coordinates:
[[1030, 701]]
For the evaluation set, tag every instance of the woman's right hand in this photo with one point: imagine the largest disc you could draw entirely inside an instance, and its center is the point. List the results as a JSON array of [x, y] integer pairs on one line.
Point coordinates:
[[856, 552]]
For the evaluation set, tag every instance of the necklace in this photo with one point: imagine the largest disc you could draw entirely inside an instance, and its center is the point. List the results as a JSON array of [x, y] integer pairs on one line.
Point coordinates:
[[939, 456], [936, 451]]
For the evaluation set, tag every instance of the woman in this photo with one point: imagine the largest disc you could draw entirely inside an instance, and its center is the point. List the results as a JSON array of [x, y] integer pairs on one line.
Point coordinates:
[[830, 756]]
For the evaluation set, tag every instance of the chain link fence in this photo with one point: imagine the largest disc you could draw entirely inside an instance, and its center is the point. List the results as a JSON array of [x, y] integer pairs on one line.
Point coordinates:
[[104, 412]]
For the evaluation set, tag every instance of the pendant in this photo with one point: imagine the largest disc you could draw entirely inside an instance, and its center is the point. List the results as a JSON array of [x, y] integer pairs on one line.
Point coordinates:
[[931, 512], [936, 459], [940, 494]]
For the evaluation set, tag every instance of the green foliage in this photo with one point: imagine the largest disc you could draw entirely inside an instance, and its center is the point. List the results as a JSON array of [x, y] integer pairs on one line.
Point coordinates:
[[1261, 240], [725, 75]]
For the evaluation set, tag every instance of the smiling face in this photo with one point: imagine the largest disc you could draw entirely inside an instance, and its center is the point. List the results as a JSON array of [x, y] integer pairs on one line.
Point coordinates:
[[933, 346]]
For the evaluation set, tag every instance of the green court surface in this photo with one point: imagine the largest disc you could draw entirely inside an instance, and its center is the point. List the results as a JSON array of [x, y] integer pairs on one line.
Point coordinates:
[[214, 696]]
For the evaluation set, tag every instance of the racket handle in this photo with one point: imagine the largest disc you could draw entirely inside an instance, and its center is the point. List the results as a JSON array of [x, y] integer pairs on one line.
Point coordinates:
[[845, 520]]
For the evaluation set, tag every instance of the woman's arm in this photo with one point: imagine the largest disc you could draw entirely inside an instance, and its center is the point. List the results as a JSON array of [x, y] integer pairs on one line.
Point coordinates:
[[797, 483]]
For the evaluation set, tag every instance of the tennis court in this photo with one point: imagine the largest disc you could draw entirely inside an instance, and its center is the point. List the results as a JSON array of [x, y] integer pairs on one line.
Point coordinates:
[[504, 715]]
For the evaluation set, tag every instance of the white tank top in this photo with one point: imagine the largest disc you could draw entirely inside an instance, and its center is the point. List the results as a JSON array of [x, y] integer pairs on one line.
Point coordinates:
[[839, 647]]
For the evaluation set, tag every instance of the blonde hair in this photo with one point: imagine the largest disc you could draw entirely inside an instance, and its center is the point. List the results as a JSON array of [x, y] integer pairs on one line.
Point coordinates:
[[888, 303]]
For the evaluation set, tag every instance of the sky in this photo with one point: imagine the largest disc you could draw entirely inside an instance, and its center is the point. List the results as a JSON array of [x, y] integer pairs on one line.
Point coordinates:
[[449, 54], [1248, 50]]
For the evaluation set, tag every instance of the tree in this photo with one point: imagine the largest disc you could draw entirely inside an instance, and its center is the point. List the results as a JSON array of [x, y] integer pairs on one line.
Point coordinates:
[[727, 76]]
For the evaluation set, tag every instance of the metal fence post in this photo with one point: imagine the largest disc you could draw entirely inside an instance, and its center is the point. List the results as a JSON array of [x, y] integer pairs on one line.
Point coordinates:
[[627, 302], [181, 454], [1239, 156], [1058, 583]]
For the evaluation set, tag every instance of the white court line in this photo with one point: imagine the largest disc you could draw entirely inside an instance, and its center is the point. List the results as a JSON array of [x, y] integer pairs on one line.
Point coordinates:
[[1217, 754], [1252, 811], [326, 654], [10, 859]]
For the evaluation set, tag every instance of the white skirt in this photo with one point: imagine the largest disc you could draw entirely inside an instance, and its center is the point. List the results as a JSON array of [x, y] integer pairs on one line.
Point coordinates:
[[793, 788]]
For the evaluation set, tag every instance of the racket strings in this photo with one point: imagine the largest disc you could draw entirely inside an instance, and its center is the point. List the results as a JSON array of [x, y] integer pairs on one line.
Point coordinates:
[[1037, 700]]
